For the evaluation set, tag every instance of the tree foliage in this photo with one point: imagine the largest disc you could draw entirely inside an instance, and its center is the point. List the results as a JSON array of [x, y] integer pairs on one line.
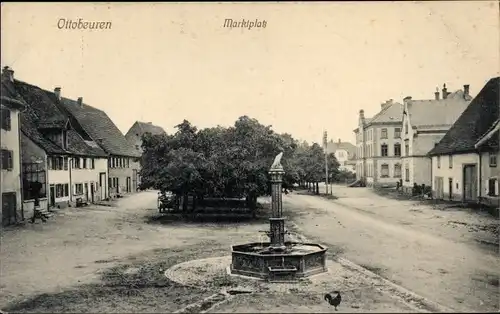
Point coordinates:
[[227, 161]]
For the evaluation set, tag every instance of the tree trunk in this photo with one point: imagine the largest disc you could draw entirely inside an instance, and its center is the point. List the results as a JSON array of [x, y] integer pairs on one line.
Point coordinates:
[[317, 188]]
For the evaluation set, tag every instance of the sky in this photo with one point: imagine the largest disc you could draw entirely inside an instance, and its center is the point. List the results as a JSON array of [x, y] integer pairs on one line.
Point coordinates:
[[312, 68]]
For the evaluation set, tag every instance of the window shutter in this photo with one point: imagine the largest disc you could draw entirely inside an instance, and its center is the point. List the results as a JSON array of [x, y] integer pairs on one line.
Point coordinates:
[[9, 162], [65, 163], [496, 187]]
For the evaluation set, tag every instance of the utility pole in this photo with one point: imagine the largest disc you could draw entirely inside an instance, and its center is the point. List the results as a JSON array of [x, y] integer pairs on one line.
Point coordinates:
[[325, 145]]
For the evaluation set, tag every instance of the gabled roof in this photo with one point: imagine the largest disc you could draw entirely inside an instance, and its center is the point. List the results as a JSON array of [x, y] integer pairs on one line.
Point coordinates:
[[490, 138], [145, 127], [101, 128], [42, 113], [473, 123], [392, 112], [334, 146], [437, 113]]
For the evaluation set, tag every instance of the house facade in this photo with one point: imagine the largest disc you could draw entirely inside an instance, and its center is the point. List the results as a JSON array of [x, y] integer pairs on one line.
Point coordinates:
[[49, 147], [11, 185], [345, 153], [378, 146], [422, 131], [122, 158], [465, 161]]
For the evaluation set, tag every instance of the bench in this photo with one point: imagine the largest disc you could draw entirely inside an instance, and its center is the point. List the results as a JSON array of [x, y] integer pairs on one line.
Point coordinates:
[[277, 272]]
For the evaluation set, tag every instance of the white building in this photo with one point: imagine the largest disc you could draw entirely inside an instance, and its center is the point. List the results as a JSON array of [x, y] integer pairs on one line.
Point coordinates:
[[11, 188], [345, 153], [425, 122], [465, 161]]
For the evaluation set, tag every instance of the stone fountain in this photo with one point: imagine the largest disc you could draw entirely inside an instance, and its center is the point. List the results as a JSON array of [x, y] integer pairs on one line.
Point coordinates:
[[278, 260]]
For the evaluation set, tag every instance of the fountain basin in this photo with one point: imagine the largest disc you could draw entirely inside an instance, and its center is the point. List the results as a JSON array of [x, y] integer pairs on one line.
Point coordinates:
[[297, 261]]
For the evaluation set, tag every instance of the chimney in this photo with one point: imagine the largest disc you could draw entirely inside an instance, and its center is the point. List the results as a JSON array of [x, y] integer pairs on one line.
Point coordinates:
[[445, 91], [362, 115], [436, 93], [466, 91], [80, 101], [57, 92], [8, 74]]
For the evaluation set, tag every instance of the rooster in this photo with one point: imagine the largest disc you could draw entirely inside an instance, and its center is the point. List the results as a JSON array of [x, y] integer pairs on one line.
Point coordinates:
[[333, 300]]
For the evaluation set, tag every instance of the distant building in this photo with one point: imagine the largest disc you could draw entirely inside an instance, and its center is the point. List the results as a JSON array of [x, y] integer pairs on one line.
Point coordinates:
[[11, 185], [465, 161], [378, 146], [345, 153], [138, 129], [425, 122]]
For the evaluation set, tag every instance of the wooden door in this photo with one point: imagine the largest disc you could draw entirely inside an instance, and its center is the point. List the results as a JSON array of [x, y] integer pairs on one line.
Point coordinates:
[[450, 188], [470, 183], [92, 192], [102, 182], [52, 196]]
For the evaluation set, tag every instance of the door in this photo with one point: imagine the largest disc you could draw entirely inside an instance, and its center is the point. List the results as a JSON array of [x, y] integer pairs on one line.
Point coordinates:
[[86, 192], [52, 196], [450, 188], [134, 180], [439, 187], [470, 183], [9, 208], [92, 192], [102, 182], [129, 185]]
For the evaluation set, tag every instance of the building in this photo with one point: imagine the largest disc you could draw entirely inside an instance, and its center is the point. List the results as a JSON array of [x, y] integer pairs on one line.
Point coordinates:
[[138, 129], [50, 150], [11, 185], [425, 122], [378, 146], [465, 161], [123, 158], [345, 153]]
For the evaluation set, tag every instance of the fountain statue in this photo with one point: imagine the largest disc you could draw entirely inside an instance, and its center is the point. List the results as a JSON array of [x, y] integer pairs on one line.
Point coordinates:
[[278, 260]]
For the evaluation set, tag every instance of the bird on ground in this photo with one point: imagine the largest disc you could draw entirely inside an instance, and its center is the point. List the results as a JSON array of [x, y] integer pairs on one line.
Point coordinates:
[[334, 299]]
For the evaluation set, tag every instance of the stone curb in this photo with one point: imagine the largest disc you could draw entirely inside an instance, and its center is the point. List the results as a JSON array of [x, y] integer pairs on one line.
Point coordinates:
[[414, 300]]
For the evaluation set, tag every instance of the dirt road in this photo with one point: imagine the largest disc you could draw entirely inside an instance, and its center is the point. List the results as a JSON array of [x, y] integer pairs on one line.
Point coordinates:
[[416, 249]]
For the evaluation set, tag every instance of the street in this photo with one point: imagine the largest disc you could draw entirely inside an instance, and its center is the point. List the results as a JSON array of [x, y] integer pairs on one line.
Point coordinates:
[[415, 246]]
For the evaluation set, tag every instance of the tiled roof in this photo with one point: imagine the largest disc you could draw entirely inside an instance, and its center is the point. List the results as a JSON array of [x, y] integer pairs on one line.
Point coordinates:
[[392, 112], [41, 113], [28, 122], [101, 128], [437, 113], [473, 123], [333, 146], [148, 127], [490, 138]]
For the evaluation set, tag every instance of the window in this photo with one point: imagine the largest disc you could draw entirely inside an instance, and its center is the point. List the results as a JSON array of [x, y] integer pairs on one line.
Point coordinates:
[[406, 128], [397, 171], [407, 149], [76, 162], [397, 149], [397, 133], [7, 163], [128, 162], [493, 187], [110, 183], [493, 159], [65, 140], [384, 171], [34, 181], [78, 189], [439, 161], [450, 161], [383, 133], [6, 125], [92, 163], [56, 163], [59, 190], [66, 189], [407, 174], [384, 150], [84, 163], [65, 163]]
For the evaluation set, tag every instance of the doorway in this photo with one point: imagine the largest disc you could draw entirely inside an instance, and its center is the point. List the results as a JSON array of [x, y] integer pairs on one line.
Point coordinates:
[[450, 188], [102, 182], [470, 183], [86, 191], [129, 185], [438, 181], [92, 192], [9, 208], [52, 196]]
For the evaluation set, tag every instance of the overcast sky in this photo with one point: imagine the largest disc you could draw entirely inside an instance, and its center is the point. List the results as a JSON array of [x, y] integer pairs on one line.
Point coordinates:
[[313, 67]]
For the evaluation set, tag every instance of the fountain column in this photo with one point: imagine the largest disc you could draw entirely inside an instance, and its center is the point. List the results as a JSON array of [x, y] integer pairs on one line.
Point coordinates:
[[276, 221]]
